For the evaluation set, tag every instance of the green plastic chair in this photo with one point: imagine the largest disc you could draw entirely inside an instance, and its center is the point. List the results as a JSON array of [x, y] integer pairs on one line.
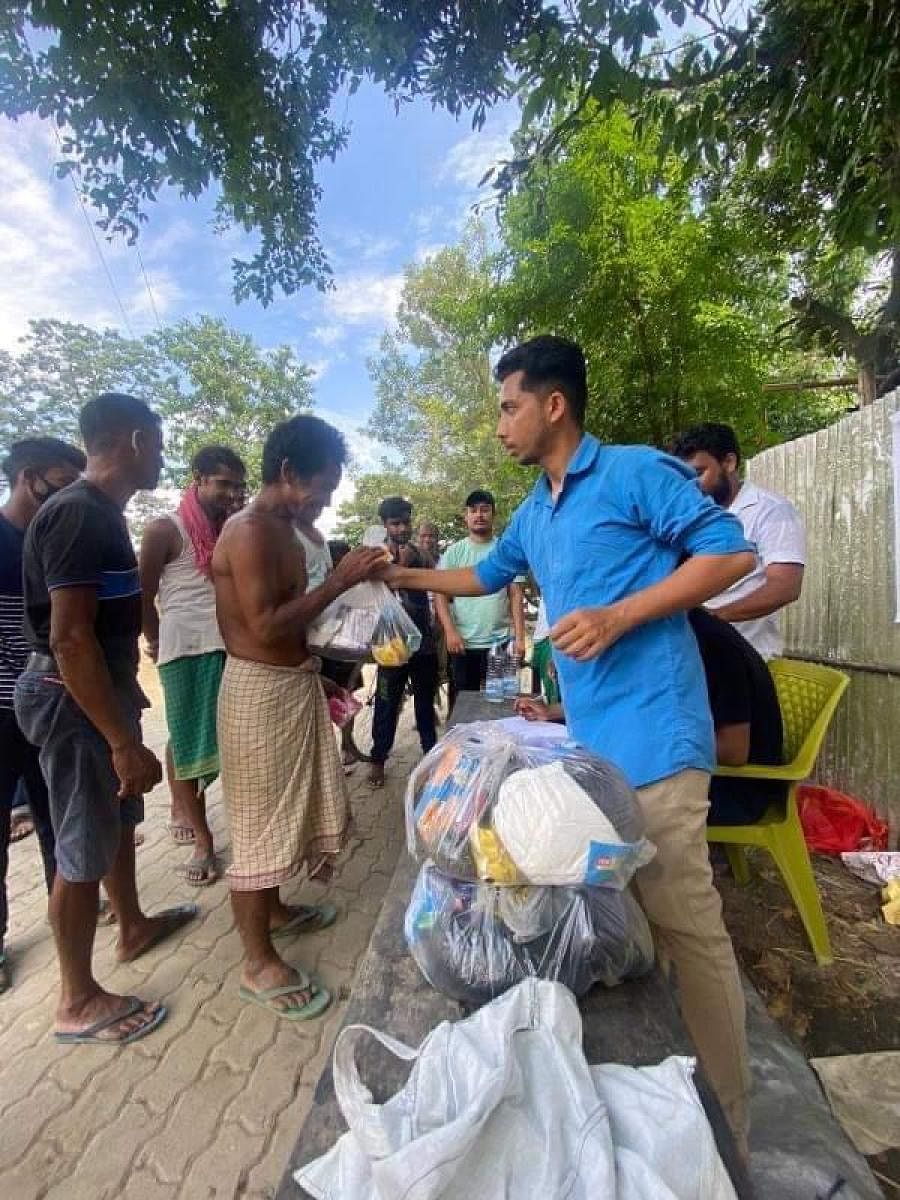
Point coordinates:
[[808, 695]]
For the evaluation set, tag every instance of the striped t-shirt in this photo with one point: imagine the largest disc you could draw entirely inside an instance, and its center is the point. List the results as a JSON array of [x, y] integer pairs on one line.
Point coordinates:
[[13, 647]]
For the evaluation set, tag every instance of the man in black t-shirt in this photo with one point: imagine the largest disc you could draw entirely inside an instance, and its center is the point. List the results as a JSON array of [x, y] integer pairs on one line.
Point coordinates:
[[35, 468], [78, 700], [746, 717]]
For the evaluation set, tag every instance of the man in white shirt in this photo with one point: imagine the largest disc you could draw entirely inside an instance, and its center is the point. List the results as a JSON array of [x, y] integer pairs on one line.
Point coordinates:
[[770, 521]]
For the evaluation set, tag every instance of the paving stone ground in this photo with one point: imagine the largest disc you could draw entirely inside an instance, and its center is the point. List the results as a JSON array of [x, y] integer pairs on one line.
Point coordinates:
[[209, 1106]]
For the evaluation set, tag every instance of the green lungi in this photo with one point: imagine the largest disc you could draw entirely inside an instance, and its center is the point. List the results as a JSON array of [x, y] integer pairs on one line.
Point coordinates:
[[191, 688], [541, 662]]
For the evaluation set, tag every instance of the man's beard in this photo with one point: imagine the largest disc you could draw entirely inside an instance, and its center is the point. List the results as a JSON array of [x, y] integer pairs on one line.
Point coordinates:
[[721, 492]]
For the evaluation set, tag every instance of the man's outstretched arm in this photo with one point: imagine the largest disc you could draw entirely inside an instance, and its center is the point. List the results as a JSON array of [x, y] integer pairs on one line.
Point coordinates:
[[460, 582]]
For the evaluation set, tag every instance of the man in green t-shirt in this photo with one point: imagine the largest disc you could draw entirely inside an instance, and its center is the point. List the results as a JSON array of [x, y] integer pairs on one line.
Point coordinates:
[[473, 624]]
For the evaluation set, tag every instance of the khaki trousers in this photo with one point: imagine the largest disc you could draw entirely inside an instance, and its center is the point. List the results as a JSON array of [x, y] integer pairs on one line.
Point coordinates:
[[678, 895]]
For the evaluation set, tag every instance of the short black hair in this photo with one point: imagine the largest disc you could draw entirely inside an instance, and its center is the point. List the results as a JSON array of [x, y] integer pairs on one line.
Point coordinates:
[[111, 415], [552, 363], [306, 443], [207, 458], [480, 496], [707, 438], [40, 454], [394, 508]]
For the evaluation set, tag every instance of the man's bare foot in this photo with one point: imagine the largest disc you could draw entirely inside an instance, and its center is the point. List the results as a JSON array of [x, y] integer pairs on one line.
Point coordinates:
[[376, 775], [150, 931], [106, 1017]]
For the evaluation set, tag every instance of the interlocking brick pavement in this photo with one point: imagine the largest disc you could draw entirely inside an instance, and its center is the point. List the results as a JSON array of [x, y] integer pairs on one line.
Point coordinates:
[[209, 1106]]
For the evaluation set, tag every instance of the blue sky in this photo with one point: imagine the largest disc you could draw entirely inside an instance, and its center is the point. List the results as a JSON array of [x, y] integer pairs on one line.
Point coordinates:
[[402, 188]]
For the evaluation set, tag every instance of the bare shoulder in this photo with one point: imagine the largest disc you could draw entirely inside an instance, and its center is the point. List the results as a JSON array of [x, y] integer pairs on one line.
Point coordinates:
[[161, 536], [246, 537]]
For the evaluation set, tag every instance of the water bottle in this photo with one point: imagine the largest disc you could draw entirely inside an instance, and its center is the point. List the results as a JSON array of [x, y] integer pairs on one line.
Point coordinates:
[[496, 665], [511, 673]]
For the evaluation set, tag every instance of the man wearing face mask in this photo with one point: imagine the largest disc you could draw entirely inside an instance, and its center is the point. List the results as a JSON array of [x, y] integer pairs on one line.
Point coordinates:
[[35, 468], [79, 701], [184, 641]]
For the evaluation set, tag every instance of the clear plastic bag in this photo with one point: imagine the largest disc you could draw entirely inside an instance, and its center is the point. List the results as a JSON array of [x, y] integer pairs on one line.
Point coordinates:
[[396, 637], [489, 805], [474, 941], [367, 619], [344, 630]]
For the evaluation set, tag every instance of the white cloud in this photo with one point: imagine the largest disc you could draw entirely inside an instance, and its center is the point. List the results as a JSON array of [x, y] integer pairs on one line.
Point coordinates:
[[362, 247], [165, 292], [318, 366], [329, 335], [366, 454], [428, 250], [468, 160], [49, 264], [156, 247], [365, 298]]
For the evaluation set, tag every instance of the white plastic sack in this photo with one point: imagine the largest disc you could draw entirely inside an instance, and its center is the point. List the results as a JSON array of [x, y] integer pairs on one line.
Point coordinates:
[[873, 866], [503, 1105], [556, 835]]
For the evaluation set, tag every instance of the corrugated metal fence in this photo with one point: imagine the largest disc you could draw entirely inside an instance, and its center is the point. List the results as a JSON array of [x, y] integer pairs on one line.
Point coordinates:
[[841, 481]]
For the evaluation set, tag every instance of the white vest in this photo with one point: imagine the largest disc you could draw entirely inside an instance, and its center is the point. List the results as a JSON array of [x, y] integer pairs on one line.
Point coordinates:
[[187, 606]]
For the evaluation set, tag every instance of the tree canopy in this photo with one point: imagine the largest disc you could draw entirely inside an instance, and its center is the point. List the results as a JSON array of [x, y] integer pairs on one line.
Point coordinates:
[[150, 94], [677, 303], [208, 382]]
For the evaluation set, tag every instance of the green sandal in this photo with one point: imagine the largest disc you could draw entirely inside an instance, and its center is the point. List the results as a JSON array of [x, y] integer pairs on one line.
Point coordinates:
[[314, 1007]]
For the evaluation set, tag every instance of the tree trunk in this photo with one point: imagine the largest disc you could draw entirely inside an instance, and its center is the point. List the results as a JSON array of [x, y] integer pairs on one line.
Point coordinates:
[[867, 385]]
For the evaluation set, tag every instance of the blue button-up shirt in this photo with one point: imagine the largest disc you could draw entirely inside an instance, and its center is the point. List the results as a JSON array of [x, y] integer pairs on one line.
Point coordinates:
[[623, 520]]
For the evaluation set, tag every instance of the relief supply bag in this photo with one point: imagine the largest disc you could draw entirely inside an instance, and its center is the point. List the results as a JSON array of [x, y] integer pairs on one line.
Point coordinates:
[[493, 805], [504, 1104], [474, 941], [396, 637]]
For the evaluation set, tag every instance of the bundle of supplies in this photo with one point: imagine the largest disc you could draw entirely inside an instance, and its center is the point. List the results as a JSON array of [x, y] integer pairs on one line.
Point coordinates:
[[528, 844], [367, 619], [473, 941], [487, 805]]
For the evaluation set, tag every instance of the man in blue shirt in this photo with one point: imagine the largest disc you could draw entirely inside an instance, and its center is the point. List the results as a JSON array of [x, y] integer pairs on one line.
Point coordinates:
[[603, 532]]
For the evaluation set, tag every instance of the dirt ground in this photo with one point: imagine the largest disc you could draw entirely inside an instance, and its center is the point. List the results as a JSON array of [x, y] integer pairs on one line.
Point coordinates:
[[851, 1007]]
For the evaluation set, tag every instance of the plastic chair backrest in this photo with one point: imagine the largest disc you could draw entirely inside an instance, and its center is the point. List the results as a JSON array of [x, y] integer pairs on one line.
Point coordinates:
[[808, 695]]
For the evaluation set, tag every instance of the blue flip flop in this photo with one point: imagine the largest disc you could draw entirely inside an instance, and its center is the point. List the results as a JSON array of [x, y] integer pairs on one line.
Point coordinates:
[[91, 1035]]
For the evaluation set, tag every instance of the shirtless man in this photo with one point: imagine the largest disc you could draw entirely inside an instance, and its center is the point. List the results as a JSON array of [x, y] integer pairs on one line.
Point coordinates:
[[281, 772]]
